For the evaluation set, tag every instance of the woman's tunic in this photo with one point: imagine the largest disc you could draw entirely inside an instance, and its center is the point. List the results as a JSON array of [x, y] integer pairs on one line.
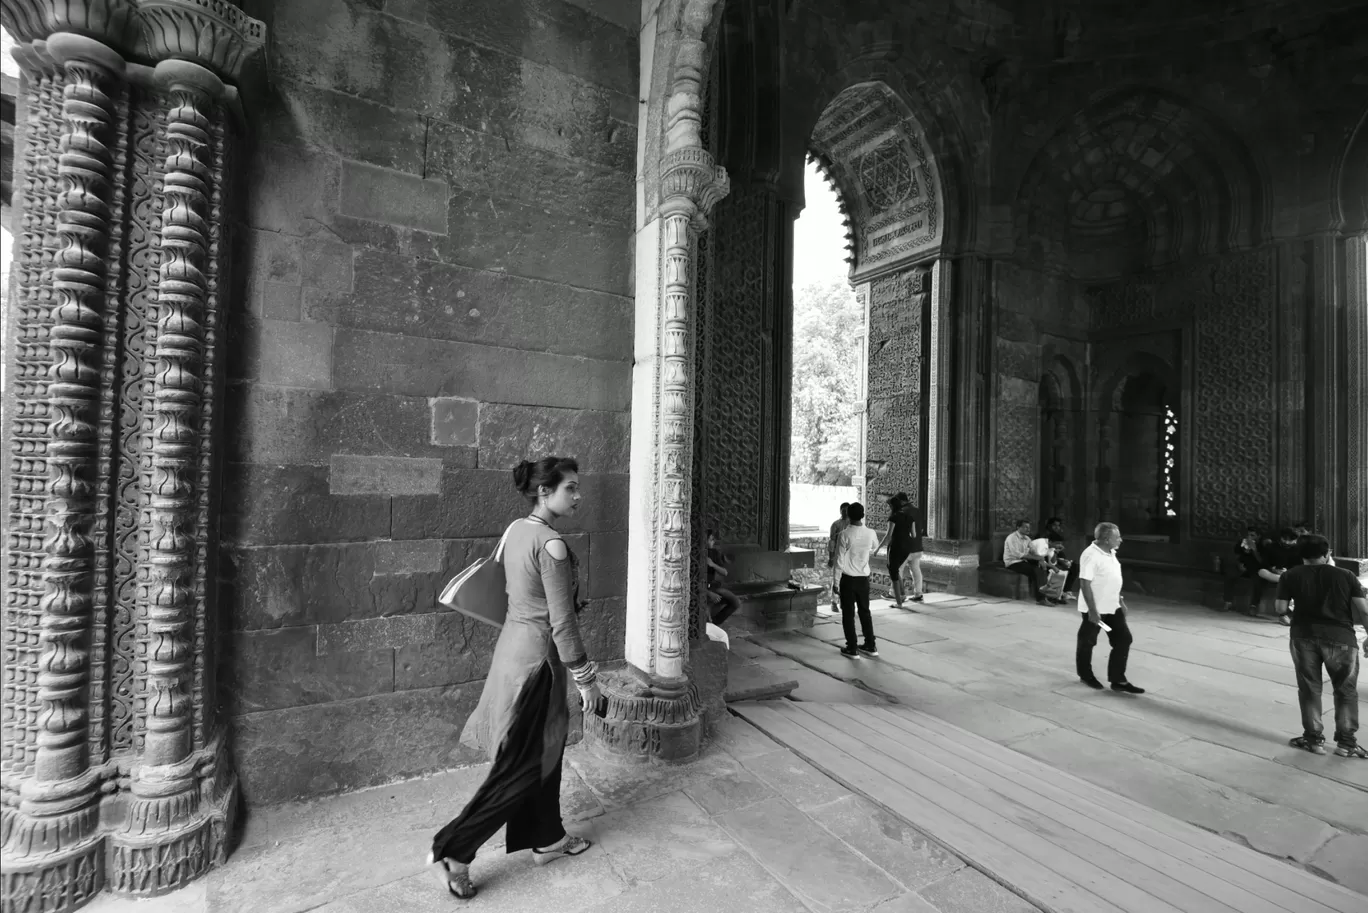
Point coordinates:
[[541, 627]]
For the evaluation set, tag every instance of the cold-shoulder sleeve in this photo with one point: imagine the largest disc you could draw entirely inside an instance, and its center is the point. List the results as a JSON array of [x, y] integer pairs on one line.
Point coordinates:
[[558, 580]]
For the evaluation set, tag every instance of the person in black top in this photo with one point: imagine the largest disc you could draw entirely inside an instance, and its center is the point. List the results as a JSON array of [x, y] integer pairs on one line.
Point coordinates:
[[727, 601], [1255, 571], [1329, 601], [904, 541]]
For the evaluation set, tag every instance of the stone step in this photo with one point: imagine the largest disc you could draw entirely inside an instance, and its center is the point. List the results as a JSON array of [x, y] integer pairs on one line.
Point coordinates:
[[747, 680]]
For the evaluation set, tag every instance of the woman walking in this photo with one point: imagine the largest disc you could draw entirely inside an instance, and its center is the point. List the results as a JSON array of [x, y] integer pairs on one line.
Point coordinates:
[[904, 541], [522, 718]]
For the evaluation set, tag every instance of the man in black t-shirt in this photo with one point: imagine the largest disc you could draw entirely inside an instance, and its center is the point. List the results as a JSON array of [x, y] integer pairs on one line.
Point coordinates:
[[1329, 602]]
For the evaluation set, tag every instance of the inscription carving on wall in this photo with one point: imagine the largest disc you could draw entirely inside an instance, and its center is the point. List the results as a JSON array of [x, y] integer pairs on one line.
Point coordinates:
[[894, 424]]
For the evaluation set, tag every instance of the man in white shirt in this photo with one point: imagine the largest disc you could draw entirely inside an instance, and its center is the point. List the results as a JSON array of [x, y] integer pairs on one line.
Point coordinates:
[[1099, 578], [854, 545], [1016, 556]]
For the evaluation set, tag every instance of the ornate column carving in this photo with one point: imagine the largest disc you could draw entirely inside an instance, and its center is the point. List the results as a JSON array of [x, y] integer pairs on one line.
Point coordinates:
[[115, 329], [653, 708]]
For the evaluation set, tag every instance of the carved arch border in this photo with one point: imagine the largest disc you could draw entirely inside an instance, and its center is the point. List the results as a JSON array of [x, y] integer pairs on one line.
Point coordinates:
[[946, 142]]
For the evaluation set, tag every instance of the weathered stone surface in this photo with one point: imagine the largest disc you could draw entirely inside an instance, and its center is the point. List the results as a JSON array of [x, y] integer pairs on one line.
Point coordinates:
[[272, 670], [603, 628], [625, 13], [292, 354], [455, 422], [350, 744], [482, 502], [280, 301], [426, 298], [383, 195], [412, 67], [327, 265], [415, 556], [383, 475], [971, 891], [291, 190], [273, 425], [549, 32], [796, 780], [275, 505], [272, 256], [298, 114], [599, 441], [526, 240], [608, 564], [810, 861], [457, 650], [483, 163], [280, 586], [889, 842], [415, 366]]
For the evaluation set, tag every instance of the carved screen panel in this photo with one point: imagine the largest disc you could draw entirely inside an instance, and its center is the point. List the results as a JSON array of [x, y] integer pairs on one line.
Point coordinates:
[[736, 357], [896, 346], [1233, 451]]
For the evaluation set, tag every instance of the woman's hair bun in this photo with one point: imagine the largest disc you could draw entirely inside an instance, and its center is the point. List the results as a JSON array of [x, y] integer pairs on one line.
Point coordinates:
[[522, 475]]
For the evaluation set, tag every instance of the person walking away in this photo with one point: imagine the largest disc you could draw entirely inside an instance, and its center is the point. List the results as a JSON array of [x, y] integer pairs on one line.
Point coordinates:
[[1016, 556], [522, 720], [729, 601], [836, 528], [904, 543], [854, 547], [1329, 600], [1099, 580]]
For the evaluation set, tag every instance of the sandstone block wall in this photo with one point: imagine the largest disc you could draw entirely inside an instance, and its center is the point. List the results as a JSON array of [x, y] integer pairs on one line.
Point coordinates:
[[437, 259]]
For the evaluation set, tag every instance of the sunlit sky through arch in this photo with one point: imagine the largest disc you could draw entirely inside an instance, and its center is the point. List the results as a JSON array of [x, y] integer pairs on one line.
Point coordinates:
[[819, 234]]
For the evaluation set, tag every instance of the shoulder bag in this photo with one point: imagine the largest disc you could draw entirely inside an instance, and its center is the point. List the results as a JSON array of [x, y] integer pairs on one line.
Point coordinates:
[[480, 590]]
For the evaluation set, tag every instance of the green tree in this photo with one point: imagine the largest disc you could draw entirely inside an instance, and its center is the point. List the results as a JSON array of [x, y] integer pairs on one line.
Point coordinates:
[[827, 324]]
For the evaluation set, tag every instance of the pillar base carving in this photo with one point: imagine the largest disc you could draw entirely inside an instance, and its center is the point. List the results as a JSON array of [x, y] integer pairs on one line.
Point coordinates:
[[647, 718], [952, 565], [59, 859]]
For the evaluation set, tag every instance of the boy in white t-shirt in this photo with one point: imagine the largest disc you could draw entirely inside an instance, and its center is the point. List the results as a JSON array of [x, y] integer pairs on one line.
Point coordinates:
[[1099, 579]]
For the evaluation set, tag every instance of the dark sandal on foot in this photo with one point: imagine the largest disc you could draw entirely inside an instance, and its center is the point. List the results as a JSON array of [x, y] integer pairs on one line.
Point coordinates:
[[1306, 744], [1352, 751], [572, 846], [458, 883]]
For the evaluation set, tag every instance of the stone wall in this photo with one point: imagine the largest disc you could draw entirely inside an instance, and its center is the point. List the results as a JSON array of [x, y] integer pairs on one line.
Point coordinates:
[[895, 458], [437, 252]]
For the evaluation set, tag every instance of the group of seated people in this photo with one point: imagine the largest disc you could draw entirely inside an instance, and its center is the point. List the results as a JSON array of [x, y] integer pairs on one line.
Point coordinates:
[[1041, 560], [1261, 561]]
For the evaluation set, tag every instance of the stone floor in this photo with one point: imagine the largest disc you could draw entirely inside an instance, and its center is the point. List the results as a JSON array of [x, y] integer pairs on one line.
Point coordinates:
[[1206, 744], [750, 827]]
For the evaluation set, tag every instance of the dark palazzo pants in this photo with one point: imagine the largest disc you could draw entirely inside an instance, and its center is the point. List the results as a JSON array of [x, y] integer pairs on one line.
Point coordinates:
[[514, 793]]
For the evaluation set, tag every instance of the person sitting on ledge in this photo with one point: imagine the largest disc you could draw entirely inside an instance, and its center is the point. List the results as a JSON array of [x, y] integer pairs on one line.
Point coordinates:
[[1016, 557], [1256, 570], [718, 594]]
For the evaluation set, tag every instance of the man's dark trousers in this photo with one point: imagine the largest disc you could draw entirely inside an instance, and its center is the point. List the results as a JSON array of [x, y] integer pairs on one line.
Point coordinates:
[[855, 597], [1120, 638]]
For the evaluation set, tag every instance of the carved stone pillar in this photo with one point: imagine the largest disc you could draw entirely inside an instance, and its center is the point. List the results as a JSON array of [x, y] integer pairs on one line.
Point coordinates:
[[1355, 540], [653, 708], [114, 770]]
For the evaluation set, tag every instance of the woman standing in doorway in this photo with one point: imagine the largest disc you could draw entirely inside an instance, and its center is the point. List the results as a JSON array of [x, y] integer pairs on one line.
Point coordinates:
[[904, 541], [522, 719]]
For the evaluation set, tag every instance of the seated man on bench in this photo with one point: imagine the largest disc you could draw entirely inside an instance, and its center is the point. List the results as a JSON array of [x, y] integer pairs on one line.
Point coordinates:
[[1017, 557]]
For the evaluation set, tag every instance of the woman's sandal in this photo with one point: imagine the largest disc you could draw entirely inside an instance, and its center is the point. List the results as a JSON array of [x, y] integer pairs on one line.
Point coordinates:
[[570, 846], [1352, 751], [457, 882]]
